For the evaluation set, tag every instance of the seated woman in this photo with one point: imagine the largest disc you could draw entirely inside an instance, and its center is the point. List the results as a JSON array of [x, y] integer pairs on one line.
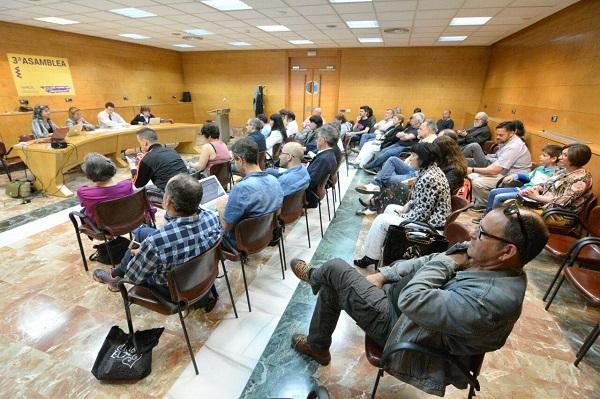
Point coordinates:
[[430, 203], [453, 162], [143, 118], [101, 171], [75, 118], [308, 137], [214, 151], [42, 126], [567, 187], [278, 134]]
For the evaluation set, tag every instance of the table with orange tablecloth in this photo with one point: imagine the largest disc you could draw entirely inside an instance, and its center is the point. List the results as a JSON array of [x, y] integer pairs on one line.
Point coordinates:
[[48, 164]]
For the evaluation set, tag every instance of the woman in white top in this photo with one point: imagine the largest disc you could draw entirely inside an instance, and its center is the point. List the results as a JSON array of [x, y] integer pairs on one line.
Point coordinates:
[[278, 132], [291, 126]]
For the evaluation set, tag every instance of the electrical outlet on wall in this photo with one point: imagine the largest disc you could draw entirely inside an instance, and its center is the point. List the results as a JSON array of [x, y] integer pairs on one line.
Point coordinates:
[[345, 110], [554, 118], [513, 111]]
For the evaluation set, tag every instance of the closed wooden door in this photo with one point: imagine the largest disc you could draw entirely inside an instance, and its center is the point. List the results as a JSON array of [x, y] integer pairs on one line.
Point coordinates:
[[313, 83]]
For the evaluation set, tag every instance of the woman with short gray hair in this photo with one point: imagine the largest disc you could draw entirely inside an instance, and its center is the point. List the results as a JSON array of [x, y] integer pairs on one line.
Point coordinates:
[[101, 171]]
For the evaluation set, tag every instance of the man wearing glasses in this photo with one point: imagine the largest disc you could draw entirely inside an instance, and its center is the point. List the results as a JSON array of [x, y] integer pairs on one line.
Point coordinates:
[[292, 176], [478, 133], [464, 302]]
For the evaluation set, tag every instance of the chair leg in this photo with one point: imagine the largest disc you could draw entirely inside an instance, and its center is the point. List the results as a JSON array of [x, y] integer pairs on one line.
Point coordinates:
[[281, 260], [245, 284], [334, 199], [560, 269], [320, 219], [339, 187], [187, 339], [128, 315], [589, 341], [6, 169], [471, 392], [328, 211], [379, 375], [307, 230], [229, 288], [283, 251], [74, 221], [554, 293]]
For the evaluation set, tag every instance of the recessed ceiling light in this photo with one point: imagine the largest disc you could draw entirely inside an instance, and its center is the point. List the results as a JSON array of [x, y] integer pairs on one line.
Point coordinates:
[[300, 41], [134, 36], [370, 39], [59, 21], [466, 21], [184, 45], [132, 12], [362, 24], [349, 1], [227, 5], [274, 28], [199, 32], [396, 30], [331, 26], [451, 38], [239, 44]]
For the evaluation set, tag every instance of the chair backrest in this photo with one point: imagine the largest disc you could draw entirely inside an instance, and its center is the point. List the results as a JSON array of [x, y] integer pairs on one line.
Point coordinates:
[[121, 215], [456, 232], [291, 210], [253, 234], [585, 216], [320, 190], [222, 172], [458, 205], [489, 147], [592, 222], [26, 137], [2, 150], [262, 160], [190, 281]]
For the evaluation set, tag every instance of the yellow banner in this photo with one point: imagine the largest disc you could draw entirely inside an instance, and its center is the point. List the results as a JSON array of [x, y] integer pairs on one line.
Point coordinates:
[[39, 75]]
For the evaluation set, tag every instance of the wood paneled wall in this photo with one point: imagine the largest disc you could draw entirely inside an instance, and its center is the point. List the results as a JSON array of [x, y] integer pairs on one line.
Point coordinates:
[[432, 78], [102, 69], [550, 68]]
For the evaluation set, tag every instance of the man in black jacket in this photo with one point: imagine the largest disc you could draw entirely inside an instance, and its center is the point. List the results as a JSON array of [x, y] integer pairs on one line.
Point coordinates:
[[324, 163], [156, 163], [479, 132]]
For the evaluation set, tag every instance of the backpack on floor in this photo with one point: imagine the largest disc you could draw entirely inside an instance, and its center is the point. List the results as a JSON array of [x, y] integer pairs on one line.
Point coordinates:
[[18, 189]]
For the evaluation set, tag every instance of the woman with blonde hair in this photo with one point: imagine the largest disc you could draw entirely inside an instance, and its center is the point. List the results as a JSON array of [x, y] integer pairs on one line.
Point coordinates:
[[75, 118]]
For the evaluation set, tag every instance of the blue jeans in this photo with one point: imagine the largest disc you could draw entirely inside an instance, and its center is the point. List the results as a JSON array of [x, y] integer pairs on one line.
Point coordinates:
[[392, 151], [366, 137], [394, 170], [499, 195]]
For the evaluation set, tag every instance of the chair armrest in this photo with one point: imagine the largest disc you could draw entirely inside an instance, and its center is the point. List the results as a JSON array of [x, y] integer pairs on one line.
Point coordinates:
[[411, 346], [578, 246], [561, 212], [84, 220]]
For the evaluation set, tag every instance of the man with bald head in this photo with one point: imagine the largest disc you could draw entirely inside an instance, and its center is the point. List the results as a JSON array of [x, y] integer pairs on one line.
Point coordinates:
[[464, 302], [317, 111], [479, 132], [292, 176]]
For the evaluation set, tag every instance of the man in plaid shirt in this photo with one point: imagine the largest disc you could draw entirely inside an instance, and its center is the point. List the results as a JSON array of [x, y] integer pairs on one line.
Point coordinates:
[[188, 234]]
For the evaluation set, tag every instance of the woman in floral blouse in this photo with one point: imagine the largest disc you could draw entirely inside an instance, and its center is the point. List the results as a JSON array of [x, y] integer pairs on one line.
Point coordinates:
[[568, 187]]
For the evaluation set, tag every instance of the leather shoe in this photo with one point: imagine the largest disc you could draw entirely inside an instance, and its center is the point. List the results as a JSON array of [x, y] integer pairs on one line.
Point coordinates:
[[300, 269], [365, 262], [104, 277], [300, 344]]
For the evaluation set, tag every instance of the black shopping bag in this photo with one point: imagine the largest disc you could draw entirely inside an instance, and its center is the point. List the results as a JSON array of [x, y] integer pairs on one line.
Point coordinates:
[[118, 359]]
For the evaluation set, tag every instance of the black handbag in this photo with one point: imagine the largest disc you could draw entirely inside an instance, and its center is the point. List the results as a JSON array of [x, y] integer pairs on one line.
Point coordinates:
[[118, 359], [411, 240], [117, 248]]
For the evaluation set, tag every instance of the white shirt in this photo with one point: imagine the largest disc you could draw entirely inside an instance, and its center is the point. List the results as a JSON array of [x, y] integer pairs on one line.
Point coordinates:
[[274, 138], [292, 128], [110, 121]]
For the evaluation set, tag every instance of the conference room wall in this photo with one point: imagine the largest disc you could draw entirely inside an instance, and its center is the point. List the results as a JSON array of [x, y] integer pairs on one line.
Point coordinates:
[[102, 70], [550, 68], [433, 78]]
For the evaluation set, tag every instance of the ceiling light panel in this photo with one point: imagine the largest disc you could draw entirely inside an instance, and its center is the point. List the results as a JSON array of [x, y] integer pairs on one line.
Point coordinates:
[[134, 36], [370, 39], [451, 38], [301, 41], [227, 5], [58, 21], [132, 12], [274, 28], [362, 24], [199, 32], [469, 21]]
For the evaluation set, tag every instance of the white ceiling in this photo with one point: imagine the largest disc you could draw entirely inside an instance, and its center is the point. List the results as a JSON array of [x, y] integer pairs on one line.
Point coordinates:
[[307, 19]]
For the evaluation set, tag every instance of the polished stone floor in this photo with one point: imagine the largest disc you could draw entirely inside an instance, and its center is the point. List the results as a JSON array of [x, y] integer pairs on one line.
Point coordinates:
[[54, 319]]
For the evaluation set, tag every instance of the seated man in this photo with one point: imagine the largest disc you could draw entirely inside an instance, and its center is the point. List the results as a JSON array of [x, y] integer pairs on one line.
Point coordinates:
[[364, 123], [254, 127], [292, 175], [464, 302], [513, 156], [324, 163], [189, 233], [478, 133], [405, 139], [446, 122], [317, 111], [257, 194], [109, 118], [156, 163]]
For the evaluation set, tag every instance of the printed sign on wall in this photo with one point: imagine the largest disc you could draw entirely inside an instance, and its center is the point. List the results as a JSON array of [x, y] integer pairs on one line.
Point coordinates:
[[39, 75]]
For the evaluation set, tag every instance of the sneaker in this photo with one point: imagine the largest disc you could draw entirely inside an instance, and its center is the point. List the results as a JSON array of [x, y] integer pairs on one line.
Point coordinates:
[[104, 277], [300, 268], [301, 345], [368, 189], [365, 262], [366, 212], [370, 171]]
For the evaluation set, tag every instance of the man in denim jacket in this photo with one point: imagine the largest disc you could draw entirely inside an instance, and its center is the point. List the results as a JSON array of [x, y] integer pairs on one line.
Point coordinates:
[[464, 302]]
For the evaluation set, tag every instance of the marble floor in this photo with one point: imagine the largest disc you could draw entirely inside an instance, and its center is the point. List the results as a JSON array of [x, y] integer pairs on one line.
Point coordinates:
[[55, 318]]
